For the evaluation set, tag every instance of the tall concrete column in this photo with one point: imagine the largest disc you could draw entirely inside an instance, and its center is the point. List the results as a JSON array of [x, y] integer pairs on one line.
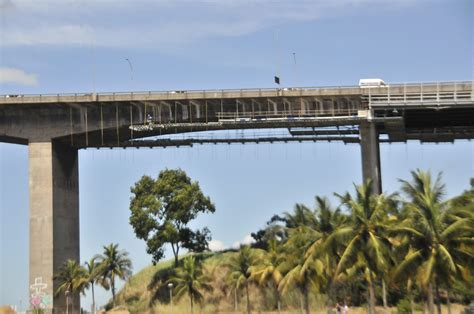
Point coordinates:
[[54, 221], [369, 144]]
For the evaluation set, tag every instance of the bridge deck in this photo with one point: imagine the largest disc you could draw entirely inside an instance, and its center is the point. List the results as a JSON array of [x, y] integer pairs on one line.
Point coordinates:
[[441, 111], [393, 93]]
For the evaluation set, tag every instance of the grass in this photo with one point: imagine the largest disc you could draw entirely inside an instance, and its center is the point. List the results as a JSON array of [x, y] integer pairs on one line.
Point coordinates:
[[135, 295]]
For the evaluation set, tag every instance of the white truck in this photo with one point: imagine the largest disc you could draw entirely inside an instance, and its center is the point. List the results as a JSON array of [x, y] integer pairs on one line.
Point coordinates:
[[371, 82]]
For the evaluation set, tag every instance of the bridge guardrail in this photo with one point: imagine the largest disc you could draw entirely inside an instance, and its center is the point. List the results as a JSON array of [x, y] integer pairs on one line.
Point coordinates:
[[222, 92]]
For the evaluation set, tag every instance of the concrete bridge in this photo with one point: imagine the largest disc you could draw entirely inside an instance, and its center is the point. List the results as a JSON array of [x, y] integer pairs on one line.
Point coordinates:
[[55, 126]]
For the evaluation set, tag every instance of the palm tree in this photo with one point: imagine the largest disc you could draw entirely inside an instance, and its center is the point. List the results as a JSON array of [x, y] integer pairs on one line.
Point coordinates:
[[190, 279], [114, 263], [72, 278], [368, 246], [297, 272], [268, 272], [439, 236], [240, 269], [93, 274], [301, 216], [326, 246]]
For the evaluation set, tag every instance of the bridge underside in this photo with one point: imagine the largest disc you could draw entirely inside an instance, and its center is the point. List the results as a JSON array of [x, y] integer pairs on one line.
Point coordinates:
[[55, 127]]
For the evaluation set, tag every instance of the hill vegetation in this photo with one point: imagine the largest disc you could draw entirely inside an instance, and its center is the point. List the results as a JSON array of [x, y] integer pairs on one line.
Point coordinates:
[[412, 251]]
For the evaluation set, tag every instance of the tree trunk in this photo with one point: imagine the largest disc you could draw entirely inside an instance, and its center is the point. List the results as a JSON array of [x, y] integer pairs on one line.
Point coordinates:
[[301, 304], [277, 297], [384, 295], [236, 304], [438, 298], [93, 299], [412, 298], [112, 284], [448, 301], [192, 305], [430, 299], [175, 254], [248, 298], [329, 299], [371, 295], [306, 299]]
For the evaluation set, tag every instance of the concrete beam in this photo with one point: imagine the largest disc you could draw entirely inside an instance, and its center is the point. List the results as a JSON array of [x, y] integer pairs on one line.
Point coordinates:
[[369, 144], [54, 220]]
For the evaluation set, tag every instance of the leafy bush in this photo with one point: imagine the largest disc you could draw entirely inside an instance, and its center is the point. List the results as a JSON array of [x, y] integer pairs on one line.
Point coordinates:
[[404, 306]]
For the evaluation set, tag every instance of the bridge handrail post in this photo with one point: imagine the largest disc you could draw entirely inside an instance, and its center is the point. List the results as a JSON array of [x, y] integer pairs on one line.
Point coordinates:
[[421, 92], [370, 97], [388, 94], [405, 93], [437, 92], [455, 92], [472, 90]]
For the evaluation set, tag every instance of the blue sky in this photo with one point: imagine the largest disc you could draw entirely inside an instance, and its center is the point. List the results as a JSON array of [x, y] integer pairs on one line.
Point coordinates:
[[53, 46]]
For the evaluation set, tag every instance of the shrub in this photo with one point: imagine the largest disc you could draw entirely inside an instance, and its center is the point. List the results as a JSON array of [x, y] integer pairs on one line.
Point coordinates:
[[404, 306]]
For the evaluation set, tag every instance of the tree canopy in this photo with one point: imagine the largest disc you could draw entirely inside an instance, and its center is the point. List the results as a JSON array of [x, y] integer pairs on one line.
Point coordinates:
[[161, 210]]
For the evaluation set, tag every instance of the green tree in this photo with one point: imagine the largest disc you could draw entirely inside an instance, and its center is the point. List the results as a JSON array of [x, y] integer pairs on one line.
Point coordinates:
[[240, 269], [298, 273], [161, 210], [268, 271], [190, 279], [114, 263], [439, 236], [368, 246], [93, 276], [301, 216], [72, 279], [273, 230], [326, 246]]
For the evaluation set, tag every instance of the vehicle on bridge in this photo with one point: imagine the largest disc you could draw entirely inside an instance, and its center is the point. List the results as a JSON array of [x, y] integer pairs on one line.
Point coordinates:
[[372, 82]]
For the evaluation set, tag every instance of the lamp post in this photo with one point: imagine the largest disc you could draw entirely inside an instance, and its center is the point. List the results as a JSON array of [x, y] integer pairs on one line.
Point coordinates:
[[67, 300], [131, 68], [170, 286]]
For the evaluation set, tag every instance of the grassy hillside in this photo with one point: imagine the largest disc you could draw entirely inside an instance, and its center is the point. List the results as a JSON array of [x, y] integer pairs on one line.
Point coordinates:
[[136, 297]]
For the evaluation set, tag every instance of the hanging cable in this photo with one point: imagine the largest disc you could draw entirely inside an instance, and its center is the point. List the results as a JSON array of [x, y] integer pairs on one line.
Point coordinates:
[[101, 125]]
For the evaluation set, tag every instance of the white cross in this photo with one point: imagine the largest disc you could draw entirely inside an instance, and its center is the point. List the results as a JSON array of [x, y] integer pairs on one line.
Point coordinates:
[[38, 286]]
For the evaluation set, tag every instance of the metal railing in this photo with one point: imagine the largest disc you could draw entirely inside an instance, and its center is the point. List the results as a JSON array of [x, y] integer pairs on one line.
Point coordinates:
[[287, 114], [426, 93], [222, 93]]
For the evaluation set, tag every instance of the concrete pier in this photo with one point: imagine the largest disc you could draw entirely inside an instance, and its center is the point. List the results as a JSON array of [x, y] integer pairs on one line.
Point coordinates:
[[54, 220], [369, 146]]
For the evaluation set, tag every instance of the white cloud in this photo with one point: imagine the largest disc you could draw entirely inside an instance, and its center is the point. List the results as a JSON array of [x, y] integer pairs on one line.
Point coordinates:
[[216, 245], [147, 23], [247, 240], [17, 76]]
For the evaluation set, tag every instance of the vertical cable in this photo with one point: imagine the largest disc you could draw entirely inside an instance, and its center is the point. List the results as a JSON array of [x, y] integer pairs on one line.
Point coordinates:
[[70, 120], [87, 130], [131, 122], [207, 126], [101, 125], [117, 124]]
